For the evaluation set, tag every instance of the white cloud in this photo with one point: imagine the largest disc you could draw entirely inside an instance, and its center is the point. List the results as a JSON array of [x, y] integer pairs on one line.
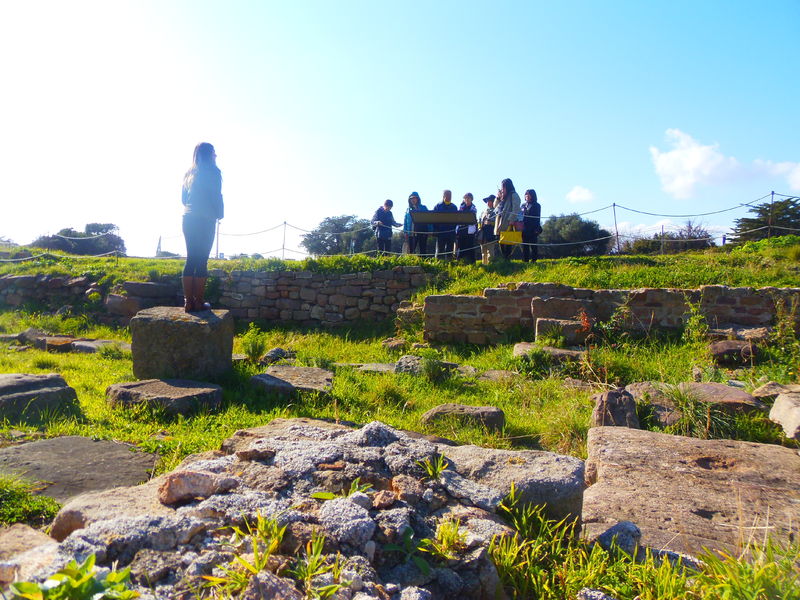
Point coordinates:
[[790, 170], [690, 163], [579, 194]]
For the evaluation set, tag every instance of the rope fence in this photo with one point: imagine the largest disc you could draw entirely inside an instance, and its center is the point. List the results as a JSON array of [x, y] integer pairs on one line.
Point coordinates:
[[617, 235]]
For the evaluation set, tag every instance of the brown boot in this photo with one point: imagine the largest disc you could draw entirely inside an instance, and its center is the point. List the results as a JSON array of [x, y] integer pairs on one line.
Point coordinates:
[[188, 294], [199, 293]]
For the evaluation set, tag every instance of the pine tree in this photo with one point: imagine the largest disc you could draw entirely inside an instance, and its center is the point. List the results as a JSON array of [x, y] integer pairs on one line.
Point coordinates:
[[771, 219]]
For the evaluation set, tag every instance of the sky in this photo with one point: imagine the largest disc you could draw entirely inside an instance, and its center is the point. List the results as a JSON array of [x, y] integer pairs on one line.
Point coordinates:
[[320, 108]]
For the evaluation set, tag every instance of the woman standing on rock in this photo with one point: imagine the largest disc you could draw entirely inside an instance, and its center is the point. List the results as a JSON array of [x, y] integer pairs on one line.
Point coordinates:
[[202, 201]]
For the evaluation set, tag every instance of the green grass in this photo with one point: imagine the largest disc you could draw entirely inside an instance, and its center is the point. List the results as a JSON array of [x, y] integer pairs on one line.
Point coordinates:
[[547, 561], [765, 265], [19, 503]]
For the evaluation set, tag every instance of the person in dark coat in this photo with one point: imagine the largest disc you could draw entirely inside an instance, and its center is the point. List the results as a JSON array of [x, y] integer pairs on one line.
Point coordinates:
[[531, 226], [416, 235], [382, 223], [466, 233], [445, 233]]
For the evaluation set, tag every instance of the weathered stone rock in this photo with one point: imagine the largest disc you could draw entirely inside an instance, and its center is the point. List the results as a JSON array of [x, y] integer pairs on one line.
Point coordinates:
[[93, 346], [717, 491], [664, 410], [134, 501], [540, 477], [274, 355], [771, 390], [58, 343], [590, 594], [72, 465], [490, 417], [122, 305], [497, 375], [346, 521], [625, 535], [23, 566], [394, 343], [558, 355], [24, 395], [287, 380], [786, 413], [150, 289], [19, 538], [723, 396], [173, 396], [733, 353], [168, 343], [573, 332], [415, 365], [180, 486], [268, 586], [616, 408]]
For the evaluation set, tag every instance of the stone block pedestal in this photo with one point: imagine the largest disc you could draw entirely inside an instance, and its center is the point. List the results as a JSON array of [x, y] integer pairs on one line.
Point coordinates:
[[168, 343]]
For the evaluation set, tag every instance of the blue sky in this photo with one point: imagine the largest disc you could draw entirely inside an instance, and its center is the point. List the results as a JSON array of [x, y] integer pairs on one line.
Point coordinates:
[[319, 109]]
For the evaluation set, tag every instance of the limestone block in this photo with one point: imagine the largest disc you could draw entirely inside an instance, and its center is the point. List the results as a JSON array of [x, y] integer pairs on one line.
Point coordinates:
[[72, 465], [490, 417], [22, 394], [168, 343], [125, 306], [288, 380], [786, 413], [574, 332], [616, 408], [685, 493], [174, 396], [547, 478]]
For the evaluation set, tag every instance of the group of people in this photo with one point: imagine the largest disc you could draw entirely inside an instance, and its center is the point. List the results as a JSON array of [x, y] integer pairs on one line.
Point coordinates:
[[505, 222]]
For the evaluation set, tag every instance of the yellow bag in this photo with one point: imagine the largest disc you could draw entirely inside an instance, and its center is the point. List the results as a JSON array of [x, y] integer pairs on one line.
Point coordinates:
[[510, 237]]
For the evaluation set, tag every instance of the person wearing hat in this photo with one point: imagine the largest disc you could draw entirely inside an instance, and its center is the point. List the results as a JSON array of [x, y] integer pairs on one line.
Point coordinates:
[[382, 223], [416, 234], [486, 232]]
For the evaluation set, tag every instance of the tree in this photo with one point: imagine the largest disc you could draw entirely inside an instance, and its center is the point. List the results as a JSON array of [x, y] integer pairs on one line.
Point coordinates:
[[345, 234], [584, 238], [770, 219], [691, 236], [97, 238]]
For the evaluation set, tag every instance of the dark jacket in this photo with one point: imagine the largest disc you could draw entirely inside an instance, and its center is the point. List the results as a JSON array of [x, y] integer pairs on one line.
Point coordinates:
[[531, 218], [467, 229], [445, 228], [385, 220]]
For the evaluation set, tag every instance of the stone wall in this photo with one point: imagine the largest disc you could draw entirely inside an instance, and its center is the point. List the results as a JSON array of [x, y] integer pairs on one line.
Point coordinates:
[[300, 296], [49, 290], [500, 312], [317, 298]]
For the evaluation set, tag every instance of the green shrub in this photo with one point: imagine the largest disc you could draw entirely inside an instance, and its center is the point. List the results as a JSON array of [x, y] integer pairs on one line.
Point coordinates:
[[19, 504], [254, 343], [77, 582]]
